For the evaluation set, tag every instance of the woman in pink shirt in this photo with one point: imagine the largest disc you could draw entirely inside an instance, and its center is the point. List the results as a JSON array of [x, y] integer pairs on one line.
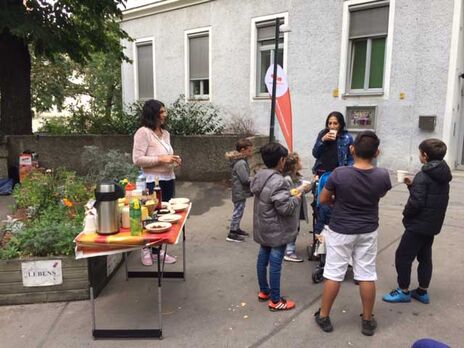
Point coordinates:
[[153, 153]]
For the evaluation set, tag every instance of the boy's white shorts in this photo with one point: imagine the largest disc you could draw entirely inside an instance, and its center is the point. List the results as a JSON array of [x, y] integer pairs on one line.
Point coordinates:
[[342, 247]]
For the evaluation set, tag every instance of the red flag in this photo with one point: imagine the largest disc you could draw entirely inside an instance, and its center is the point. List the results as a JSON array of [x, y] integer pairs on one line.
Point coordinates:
[[283, 103]]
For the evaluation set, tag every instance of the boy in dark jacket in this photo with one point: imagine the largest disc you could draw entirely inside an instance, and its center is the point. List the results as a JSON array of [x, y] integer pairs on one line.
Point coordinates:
[[275, 223], [240, 176], [423, 218]]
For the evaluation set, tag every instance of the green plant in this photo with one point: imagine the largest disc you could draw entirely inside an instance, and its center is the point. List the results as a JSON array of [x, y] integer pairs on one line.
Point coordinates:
[[34, 191], [10, 250], [40, 190], [193, 118], [83, 121], [109, 165], [56, 125], [52, 233]]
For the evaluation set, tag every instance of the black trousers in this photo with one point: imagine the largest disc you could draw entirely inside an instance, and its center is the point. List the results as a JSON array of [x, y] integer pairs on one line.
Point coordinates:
[[168, 189], [414, 245]]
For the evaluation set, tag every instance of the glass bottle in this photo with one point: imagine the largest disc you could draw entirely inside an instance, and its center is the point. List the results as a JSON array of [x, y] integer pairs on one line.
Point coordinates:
[[158, 194]]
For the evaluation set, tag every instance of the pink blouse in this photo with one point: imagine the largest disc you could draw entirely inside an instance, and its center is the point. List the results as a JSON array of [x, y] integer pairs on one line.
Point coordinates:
[[147, 149]]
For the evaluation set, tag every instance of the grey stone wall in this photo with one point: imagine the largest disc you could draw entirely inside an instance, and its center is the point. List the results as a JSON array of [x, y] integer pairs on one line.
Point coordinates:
[[3, 158], [203, 156]]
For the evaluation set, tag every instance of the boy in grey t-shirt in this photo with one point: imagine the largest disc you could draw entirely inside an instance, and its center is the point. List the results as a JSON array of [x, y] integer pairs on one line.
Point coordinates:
[[352, 231]]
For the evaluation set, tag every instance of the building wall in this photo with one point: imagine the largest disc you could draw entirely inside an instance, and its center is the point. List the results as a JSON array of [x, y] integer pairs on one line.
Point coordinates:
[[419, 66], [453, 133]]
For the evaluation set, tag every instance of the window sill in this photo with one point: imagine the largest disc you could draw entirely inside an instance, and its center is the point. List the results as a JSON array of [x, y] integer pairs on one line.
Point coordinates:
[[199, 99], [262, 98], [362, 94]]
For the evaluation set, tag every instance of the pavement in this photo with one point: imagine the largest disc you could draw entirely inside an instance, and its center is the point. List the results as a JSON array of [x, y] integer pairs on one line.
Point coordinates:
[[217, 305]]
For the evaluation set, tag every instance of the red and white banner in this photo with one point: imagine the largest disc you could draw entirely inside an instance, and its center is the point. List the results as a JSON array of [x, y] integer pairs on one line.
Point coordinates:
[[283, 104]]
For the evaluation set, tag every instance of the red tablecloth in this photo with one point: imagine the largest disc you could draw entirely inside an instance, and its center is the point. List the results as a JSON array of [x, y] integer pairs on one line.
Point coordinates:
[[93, 244]]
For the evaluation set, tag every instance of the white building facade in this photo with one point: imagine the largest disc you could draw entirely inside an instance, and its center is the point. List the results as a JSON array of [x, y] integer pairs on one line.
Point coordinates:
[[392, 66]]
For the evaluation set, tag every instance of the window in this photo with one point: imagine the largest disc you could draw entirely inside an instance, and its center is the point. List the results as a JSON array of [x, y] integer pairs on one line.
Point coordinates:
[[198, 65], [265, 33], [368, 36], [144, 73]]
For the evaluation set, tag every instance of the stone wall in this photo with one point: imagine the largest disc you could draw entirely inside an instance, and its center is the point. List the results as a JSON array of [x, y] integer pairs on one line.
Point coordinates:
[[3, 158], [203, 156]]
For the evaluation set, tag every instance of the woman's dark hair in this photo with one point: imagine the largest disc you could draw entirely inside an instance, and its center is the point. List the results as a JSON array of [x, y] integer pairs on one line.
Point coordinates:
[[340, 119], [435, 149], [272, 153], [150, 117]]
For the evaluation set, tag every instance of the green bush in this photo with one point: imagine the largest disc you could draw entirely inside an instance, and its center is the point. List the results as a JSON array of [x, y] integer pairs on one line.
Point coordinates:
[[57, 199], [56, 125], [107, 165], [50, 234], [83, 121], [40, 190], [193, 118]]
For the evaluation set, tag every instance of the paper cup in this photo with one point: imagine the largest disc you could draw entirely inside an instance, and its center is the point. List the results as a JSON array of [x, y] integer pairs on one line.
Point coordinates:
[[333, 132], [401, 175]]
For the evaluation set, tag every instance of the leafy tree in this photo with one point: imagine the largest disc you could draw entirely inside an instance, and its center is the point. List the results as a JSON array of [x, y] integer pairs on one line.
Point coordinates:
[[77, 28], [49, 92]]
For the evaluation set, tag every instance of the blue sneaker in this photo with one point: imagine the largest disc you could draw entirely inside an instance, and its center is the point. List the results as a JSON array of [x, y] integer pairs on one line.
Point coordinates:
[[397, 296], [421, 298]]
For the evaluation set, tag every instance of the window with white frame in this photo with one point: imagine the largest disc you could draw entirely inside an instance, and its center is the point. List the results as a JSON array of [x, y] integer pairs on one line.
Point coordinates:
[[367, 46], [145, 83], [198, 64], [265, 34]]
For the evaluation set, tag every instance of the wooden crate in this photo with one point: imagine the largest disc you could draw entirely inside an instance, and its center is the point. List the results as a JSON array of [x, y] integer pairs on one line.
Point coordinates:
[[76, 277]]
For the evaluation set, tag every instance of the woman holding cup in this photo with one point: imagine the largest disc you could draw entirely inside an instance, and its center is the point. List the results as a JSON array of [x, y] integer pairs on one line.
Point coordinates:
[[332, 147], [153, 153]]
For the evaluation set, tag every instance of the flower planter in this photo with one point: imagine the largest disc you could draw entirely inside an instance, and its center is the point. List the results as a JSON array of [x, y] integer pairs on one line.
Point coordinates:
[[76, 275]]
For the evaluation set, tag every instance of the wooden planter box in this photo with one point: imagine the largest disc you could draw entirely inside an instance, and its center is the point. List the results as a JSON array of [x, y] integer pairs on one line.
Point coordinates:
[[75, 286]]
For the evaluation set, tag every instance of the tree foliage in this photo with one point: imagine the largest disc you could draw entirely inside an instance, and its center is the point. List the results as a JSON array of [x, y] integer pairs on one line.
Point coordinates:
[[56, 32], [75, 27]]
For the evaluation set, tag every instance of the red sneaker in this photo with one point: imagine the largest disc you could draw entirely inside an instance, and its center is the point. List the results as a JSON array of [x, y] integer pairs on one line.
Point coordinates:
[[282, 305], [262, 296]]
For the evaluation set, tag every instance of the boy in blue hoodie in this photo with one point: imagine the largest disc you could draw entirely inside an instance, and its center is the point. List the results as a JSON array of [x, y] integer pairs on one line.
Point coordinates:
[[423, 218]]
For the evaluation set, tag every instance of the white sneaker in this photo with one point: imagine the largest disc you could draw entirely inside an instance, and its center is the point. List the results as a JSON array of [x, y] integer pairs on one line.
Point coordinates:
[[293, 258], [146, 257], [168, 259]]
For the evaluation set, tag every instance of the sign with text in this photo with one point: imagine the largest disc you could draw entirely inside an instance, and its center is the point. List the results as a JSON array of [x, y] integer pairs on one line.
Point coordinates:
[[283, 103], [42, 273]]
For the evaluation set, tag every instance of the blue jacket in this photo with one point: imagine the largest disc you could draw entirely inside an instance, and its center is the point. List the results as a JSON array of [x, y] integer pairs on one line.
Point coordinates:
[[343, 149]]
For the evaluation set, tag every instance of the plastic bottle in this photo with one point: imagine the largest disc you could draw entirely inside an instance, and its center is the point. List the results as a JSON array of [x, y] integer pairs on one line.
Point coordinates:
[[129, 188], [158, 193], [135, 217], [141, 182]]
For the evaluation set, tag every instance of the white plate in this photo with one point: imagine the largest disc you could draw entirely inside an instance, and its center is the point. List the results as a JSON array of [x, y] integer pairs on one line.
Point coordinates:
[[179, 201], [165, 205], [172, 218], [179, 207], [158, 227]]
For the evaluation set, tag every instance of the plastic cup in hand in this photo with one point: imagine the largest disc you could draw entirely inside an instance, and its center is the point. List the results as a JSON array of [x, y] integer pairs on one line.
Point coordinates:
[[401, 175], [333, 133]]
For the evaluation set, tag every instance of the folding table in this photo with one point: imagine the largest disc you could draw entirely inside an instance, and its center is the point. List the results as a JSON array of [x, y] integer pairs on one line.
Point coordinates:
[[92, 245]]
